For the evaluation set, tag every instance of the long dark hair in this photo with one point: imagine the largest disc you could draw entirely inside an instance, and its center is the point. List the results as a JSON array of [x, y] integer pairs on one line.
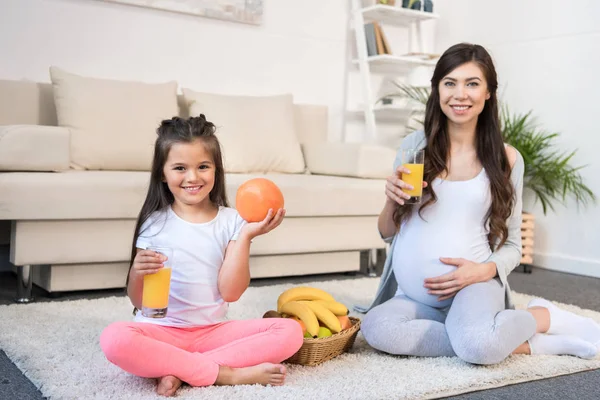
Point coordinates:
[[489, 143], [171, 131]]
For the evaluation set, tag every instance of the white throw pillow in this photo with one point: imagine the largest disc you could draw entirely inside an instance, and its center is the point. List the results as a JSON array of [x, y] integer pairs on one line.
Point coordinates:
[[113, 123], [257, 134]]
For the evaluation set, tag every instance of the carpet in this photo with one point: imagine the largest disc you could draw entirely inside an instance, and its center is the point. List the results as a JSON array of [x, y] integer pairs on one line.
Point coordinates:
[[56, 346]]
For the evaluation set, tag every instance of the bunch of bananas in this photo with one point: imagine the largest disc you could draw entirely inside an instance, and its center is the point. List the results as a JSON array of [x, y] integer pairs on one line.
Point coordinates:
[[314, 307]]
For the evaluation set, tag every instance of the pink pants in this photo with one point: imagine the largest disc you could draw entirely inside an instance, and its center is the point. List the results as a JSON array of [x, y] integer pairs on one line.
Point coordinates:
[[195, 354]]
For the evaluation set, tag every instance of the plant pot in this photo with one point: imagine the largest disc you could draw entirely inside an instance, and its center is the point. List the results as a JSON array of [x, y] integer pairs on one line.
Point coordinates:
[[527, 233]]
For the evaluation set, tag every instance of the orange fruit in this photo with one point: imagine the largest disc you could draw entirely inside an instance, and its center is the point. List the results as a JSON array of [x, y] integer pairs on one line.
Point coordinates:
[[345, 321], [254, 198], [301, 324]]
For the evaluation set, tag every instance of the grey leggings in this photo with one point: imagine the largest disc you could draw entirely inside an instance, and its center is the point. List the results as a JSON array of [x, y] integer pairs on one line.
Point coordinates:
[[477, 327]]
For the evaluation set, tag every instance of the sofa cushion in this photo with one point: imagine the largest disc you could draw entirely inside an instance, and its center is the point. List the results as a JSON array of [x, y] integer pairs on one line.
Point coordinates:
[[34, 148], [257, 134], [72, 194], [349, 159], [312, 123], [120, 194], [26, 103], [320, 195], [113, 123]]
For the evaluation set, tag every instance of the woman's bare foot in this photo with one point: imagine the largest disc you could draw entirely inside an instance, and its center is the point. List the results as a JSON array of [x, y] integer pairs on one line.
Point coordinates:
[[264, 374], [168, 385]]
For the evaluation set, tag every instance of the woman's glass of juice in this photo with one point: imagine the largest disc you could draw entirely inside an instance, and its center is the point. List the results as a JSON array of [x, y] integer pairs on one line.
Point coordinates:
[[413, 160]]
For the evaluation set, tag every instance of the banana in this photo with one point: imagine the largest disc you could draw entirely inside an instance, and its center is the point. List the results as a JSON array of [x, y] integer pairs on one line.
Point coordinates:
[[324, 315], [334, 306], [303, 293], [305, 314]]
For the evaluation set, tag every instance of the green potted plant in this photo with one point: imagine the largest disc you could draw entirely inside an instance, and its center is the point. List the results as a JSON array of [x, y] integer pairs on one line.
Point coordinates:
[[549, 177]]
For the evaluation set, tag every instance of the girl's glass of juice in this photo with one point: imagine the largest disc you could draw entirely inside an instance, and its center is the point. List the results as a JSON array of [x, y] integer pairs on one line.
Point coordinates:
[[413, 160], [155, 295]]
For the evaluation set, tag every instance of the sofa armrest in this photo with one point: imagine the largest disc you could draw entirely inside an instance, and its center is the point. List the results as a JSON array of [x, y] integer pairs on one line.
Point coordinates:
[[349, 159], [34, 148]]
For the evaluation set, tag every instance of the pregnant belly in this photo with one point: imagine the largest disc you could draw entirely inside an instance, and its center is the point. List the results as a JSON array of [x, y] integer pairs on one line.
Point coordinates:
[[415, 260], [411, 275]]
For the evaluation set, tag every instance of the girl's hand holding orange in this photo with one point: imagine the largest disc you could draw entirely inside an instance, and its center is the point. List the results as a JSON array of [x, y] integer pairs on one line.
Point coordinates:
[[394, 187], [271, 221], [147, 262]]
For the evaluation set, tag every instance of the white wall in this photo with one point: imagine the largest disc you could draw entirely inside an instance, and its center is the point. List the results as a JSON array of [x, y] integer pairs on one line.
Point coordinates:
[[299, 48], [548, 59]]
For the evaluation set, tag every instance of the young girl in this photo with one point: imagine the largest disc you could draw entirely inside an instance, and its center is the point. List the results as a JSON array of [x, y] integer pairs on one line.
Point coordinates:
[[186, 209], [444, 288]]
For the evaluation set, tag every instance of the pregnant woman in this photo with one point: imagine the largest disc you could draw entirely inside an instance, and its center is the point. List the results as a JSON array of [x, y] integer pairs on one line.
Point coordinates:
[[444, 289]]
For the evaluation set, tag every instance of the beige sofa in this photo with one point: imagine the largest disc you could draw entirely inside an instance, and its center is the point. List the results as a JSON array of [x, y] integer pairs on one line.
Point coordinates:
[[74, 162]]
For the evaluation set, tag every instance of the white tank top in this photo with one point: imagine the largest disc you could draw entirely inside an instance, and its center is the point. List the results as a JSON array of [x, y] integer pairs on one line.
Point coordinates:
[[454, 226]]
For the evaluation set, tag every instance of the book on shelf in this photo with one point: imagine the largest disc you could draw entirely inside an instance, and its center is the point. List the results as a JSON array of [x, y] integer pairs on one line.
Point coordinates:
[[376, 40], [383, 46], [371, 40]]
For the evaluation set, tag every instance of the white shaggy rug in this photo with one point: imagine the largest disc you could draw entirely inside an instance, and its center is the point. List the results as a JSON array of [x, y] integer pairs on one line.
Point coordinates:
[[56, 346]]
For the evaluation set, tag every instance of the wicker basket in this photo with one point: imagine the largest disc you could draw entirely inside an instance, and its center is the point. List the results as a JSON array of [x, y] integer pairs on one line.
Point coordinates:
[[316, 351], [527, 232]]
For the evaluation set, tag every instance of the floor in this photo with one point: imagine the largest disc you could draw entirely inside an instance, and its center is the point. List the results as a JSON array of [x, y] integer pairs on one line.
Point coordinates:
[[565, 288]]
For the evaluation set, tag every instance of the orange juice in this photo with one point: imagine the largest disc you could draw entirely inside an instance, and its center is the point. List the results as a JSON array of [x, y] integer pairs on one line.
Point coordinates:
[[155, 297], [415, 178]]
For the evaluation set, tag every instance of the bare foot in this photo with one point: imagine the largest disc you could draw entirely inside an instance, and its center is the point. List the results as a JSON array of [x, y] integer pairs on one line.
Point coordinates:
[[168, 385], [523, 349], [264, 374]]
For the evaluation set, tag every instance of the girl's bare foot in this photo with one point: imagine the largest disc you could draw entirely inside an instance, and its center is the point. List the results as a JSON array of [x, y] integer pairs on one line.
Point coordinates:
[[264, 374], [168, 385]]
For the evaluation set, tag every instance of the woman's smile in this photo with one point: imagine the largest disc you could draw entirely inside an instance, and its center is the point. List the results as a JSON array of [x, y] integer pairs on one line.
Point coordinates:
[[460, 109]]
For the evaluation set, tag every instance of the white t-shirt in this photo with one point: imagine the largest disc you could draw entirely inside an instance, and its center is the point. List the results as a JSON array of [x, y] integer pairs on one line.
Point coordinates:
[[198, 254], [453, 227]]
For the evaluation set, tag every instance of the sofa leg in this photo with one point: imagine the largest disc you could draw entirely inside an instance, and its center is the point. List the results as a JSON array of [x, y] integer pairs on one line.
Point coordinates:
[[372, 261], [372, 266], [24, 284]]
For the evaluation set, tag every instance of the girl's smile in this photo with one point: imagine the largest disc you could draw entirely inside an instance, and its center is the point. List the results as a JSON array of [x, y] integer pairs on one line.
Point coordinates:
[[192, 189]]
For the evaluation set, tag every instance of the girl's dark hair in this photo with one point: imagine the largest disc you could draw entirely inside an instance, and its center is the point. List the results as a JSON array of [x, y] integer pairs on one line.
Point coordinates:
[[171, 131], [489, 143]]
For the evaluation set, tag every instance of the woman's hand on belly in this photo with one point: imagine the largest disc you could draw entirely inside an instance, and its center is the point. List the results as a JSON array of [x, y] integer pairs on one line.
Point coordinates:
[[467, 273]]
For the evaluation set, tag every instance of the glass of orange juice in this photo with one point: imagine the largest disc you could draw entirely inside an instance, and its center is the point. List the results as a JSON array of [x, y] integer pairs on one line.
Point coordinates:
[[155, 295], [413, 160]]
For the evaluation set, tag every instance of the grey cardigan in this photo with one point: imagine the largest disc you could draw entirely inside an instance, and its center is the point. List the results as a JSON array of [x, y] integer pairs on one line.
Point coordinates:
[[506, 258]]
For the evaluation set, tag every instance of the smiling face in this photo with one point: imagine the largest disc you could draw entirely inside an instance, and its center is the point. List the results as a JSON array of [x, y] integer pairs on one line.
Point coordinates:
[[463, 93], [189, 172]]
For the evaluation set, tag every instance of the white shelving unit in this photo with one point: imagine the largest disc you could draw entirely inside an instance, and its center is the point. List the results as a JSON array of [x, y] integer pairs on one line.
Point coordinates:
[[384, 63], [382, 60], [395, 15]]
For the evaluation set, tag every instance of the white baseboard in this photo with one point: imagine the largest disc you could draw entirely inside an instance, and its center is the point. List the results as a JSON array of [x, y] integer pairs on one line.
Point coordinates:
[[568, 264]]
